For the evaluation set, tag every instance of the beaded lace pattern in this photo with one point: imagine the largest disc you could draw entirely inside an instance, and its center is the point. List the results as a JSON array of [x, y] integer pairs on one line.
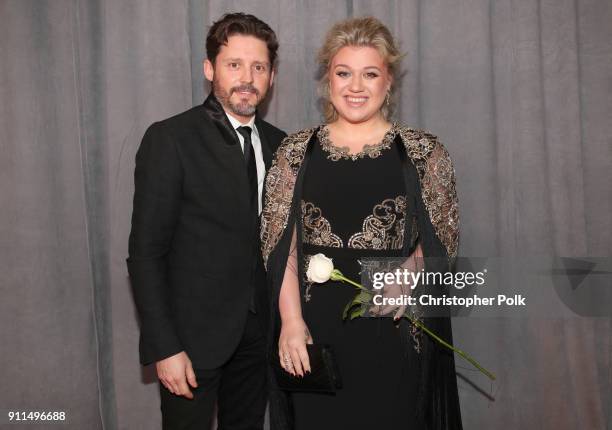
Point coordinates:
[[433, 165], [336, 153]]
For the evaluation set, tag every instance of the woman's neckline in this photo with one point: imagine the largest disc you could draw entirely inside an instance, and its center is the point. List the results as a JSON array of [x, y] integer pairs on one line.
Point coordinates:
[[336, 153]]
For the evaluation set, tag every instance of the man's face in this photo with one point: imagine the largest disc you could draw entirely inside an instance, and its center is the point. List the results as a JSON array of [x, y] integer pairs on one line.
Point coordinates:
[[241, 75]]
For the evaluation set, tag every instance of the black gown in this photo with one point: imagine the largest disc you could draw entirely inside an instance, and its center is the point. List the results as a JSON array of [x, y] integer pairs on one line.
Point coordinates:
[[349, 207], [354, 206]]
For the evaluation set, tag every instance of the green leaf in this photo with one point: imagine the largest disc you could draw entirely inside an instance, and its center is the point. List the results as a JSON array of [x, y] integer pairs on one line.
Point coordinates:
[[361, 299], [347, 308], [364, 297], [358, 312]]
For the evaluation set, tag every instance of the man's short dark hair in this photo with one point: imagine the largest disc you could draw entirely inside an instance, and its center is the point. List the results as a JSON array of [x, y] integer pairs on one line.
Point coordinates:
[[239, 23]]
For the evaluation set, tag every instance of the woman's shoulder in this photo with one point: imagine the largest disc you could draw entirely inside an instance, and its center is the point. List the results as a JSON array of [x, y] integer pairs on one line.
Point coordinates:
[[420, 143], [296, 141], [293, 147], [300, 135]]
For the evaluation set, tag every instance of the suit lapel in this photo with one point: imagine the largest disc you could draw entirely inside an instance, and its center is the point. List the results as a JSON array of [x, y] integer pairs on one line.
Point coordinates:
[[226, 144], [219, 118], [226, 130]]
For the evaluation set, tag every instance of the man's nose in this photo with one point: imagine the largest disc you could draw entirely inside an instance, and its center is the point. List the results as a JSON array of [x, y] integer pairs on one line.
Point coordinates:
[[247, 75]]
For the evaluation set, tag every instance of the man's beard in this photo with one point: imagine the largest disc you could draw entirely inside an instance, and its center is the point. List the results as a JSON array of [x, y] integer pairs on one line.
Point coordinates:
[[243, 108]]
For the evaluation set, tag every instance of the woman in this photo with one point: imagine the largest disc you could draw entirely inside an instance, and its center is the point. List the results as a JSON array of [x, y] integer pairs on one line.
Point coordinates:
[[359, 186]]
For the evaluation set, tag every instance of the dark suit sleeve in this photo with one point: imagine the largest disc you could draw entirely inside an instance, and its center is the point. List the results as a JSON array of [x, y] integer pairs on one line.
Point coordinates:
[[278, 138], [157, 197]]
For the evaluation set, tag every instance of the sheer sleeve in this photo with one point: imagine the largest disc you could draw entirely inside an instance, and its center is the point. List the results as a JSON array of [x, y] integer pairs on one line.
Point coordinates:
[[292, 260], [289, 300], [439, 194], [437, 185], [279, 185]]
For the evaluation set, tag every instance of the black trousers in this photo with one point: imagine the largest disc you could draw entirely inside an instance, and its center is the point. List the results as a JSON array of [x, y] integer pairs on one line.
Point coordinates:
[[238, 388]]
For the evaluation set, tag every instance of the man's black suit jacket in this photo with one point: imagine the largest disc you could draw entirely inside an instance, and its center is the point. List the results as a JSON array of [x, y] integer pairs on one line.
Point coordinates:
[[191, 247]]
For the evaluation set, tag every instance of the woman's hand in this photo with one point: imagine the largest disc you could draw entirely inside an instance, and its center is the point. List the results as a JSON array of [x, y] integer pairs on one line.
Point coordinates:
[[292, 346], [414, 263]]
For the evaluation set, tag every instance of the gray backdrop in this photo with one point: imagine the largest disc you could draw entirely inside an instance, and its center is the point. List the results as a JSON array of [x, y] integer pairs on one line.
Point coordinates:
[[518, 90]]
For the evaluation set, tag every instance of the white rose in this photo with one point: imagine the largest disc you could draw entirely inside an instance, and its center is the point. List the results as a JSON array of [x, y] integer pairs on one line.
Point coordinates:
[[319, 268]]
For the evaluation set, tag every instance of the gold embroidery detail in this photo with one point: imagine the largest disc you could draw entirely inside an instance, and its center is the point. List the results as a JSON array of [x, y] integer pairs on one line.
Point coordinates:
[[336, 153], [280, 181], [438, 188], [307, 284], [415, 331], [316, 229], [384, 229], [431, 159]]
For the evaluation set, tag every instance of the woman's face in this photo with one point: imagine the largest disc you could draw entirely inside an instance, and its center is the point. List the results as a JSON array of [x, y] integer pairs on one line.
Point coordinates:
[[359, 81]]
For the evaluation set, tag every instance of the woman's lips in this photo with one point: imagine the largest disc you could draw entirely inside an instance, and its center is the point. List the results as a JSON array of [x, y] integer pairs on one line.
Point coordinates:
[[356, 102]]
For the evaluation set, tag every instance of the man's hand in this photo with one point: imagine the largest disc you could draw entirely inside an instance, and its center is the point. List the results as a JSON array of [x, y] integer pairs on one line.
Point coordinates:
[[175, 372]]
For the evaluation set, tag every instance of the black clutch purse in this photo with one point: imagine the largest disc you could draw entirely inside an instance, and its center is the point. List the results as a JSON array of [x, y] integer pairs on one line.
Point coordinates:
[[324, 376]]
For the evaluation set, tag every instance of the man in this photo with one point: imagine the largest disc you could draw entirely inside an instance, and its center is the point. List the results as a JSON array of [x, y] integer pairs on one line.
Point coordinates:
[[194, 256]]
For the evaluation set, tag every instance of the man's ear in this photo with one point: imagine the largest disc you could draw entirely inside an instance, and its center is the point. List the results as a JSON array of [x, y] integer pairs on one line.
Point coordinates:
[[271, 78], [209, 70]]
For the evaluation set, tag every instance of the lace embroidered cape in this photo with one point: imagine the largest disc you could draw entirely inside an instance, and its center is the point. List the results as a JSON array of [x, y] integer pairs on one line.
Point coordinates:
[[432, 162]]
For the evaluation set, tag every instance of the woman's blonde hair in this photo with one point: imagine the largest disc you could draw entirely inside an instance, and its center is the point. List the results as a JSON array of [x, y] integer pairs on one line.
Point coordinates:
[[366, 31]]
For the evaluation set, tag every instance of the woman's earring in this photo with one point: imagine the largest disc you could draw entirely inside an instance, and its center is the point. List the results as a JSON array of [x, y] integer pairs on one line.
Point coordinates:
[[387, 98]]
